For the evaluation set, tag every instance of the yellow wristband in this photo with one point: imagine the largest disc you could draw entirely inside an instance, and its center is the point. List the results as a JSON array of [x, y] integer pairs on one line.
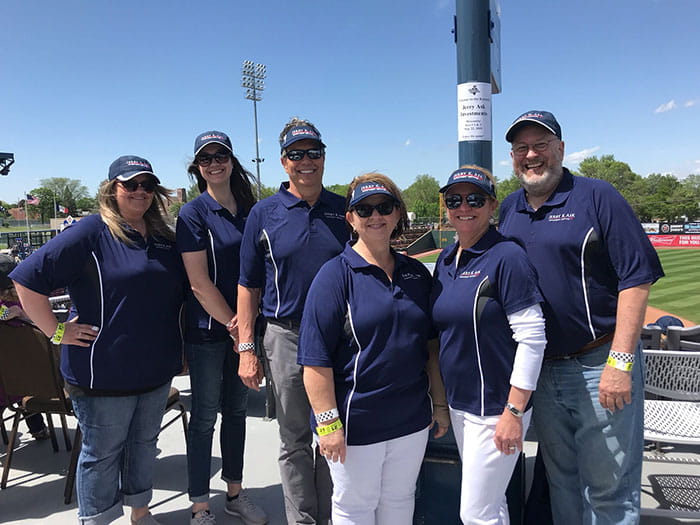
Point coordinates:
[[329, 429], [620, 365], [57, 336], [4, 312]]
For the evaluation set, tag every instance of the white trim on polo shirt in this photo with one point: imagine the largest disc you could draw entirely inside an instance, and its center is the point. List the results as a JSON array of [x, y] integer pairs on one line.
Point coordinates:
[[274, 265], [583, 281], [213, 256], [354, 373], [476, 340], [102, 320]]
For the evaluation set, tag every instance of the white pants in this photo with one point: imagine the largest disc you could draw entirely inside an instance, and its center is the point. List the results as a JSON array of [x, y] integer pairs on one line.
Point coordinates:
[[486, 471], [377, 483]]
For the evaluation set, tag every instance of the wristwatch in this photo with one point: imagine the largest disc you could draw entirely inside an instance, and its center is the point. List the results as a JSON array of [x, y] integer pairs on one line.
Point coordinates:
[[514, 410]]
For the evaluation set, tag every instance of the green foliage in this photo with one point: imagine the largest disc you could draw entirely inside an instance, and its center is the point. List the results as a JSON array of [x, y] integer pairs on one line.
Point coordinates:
[[340, 189], [175, 207], [423, 196]]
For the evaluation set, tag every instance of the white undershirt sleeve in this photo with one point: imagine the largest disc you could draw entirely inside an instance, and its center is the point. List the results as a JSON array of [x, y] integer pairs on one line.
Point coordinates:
[[528, 331]]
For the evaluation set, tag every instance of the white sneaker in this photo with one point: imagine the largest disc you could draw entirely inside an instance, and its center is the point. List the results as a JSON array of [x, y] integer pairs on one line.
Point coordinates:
[[203, 517], [245, 509]]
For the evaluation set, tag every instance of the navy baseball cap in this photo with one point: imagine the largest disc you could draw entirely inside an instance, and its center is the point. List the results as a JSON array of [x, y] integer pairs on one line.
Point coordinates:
[[543, 118], [475, 176], [298, 133], [212, 137], [127, 167], [7, 264], [366, 189]]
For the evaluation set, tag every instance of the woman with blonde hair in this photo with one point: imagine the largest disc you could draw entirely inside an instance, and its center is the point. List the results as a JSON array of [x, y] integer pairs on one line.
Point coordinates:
[[122, 344]]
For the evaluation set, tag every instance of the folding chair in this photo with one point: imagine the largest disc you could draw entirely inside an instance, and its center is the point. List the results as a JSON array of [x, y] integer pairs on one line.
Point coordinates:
[[29, 370], [674, 376]]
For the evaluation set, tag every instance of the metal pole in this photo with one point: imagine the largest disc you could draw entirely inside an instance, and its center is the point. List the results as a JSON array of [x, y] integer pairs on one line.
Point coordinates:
[[472, 27], [257, 148]]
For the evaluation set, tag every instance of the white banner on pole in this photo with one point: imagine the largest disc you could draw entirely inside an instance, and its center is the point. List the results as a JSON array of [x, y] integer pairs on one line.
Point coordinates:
[[474, 111]]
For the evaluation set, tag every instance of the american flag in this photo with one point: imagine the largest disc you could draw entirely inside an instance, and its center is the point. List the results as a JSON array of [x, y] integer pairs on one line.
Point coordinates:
[[31, 199]]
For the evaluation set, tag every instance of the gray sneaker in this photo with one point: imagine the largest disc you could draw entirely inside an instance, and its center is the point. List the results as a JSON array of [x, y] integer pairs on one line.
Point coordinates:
[[245, 509], [203, 517]]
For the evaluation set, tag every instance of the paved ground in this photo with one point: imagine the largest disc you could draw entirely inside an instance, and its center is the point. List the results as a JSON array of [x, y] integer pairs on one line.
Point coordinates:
[[35, 490]]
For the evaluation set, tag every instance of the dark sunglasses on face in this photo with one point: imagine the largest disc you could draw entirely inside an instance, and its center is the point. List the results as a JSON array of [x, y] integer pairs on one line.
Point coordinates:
[[474, 200], [148, 185], [366, 210], [205, 159], [298, 154]]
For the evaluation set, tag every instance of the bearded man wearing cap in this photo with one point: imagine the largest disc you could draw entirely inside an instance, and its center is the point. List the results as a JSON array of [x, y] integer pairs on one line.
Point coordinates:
[[287, 238], [595, 267]]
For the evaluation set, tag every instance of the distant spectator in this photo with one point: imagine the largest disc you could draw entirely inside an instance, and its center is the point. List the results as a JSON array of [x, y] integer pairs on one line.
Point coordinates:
[[665, 321]]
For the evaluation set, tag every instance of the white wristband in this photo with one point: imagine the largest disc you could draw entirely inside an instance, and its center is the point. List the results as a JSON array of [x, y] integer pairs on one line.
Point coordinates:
[[327, 415], [246, 347]]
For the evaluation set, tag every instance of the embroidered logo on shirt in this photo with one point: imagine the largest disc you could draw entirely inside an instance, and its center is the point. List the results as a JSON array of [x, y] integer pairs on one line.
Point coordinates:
[[407, 276], [162, 246], [558, 217], [469, 274], [333, 215]]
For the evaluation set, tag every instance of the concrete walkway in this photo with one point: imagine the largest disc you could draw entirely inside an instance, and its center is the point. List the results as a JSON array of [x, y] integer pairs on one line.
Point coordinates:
[[35, 489]]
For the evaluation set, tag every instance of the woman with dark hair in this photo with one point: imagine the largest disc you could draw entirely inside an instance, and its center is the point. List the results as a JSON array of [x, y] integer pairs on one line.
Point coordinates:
[[122, 345], [364, 346], [209, 233]]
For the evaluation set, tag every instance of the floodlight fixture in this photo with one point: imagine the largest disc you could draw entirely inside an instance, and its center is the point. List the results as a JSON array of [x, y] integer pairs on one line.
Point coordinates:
[[6, 160], [253, 80]]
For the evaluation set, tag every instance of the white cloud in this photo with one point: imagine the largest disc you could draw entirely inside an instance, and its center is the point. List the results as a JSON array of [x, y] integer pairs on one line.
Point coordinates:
[[668, 106], [578, 156], [690, 103], [504, 163], [407, 143]]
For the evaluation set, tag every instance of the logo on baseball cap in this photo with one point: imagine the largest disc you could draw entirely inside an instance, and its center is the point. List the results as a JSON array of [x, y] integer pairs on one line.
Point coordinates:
[[543, 118], [475, 175], [212, 137], [127, 167], [298, 133], [366, 189]]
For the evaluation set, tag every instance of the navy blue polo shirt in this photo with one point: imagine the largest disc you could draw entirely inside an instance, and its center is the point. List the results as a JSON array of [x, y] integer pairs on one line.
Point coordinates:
[[134, 294], [470, 304], [587, 246], [285, 243], [373, 332], [203, 224]]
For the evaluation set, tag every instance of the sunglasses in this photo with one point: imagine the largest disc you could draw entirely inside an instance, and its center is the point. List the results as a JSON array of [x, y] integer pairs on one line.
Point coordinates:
[[474, 200], [298, 154], [149, 185], [205, 159], [366, 210]]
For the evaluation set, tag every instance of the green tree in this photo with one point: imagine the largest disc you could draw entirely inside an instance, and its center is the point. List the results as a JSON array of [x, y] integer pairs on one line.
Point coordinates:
[[620, 175], [423, 196], [340, 189], [66, 192], [175, 207]]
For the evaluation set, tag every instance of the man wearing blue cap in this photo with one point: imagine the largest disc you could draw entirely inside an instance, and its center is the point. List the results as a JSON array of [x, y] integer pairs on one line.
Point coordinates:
[[595, 267], [287, 239]]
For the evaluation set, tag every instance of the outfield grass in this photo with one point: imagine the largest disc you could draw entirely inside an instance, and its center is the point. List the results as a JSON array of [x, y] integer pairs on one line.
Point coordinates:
[[678, 292]]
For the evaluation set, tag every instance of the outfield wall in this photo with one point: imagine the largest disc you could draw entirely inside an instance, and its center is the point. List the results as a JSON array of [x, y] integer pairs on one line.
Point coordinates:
[[675, 241]]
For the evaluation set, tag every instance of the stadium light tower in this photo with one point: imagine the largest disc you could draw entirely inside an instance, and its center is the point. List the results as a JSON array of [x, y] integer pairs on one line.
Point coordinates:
[[6, 160], [254, 82]]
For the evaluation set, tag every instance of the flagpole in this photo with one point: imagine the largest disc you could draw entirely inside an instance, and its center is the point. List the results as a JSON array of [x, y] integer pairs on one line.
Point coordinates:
[[26, 218], [55, 216]]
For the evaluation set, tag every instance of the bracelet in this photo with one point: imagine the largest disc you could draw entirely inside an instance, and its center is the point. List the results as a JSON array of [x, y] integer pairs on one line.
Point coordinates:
[[229, 325], [57, 336], [4, 313], [620, 365], [514, 410], [246, 347], [329, 429], [327, 415]]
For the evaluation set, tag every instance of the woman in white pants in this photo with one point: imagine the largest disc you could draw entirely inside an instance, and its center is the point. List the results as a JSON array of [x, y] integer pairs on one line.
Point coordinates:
[[486, 306], [363, 344]]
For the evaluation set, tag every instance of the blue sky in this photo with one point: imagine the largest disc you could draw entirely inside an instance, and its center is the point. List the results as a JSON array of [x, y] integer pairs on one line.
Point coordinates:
[[84, 81]]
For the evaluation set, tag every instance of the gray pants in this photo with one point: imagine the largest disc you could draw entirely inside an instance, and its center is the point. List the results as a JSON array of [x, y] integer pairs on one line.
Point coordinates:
[[306, 481]]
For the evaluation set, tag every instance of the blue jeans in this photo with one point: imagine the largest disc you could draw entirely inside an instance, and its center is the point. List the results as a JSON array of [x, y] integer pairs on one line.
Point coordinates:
[[118, 452], [593, 457], [215, 387]]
